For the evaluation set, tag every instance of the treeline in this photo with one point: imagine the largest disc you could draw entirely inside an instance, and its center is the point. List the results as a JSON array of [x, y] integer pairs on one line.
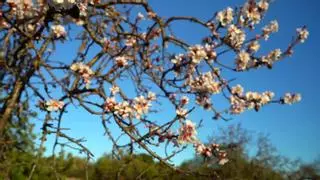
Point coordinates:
[[18, 166], [140, 166]]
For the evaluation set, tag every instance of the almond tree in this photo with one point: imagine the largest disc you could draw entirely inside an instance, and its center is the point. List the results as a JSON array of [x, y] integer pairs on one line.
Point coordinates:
[[131, 44]]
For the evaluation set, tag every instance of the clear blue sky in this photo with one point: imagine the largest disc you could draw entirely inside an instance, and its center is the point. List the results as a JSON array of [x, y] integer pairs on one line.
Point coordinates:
[[294, 130]]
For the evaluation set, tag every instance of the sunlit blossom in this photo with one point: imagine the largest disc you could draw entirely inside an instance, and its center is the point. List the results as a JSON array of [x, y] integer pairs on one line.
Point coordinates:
[[184, 100], [187, 132], [263, 5], [235, 36], [225, 17], [182, 112], [290, 98], [303, 34], [141, 105], [197, 53], [151, 96], [110, 104], [121, 61], [254, 46], [238, 89], [123, 109], [58, 31], [242, 60], [204, 83], [84, 71], [54, 105], [270, 28]]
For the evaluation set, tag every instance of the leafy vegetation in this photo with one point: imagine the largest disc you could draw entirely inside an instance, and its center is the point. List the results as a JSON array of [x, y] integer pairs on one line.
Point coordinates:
[[264, 164]]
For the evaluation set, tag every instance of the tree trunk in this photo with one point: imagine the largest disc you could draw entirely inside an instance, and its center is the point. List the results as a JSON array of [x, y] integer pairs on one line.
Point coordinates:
[[10, 104]]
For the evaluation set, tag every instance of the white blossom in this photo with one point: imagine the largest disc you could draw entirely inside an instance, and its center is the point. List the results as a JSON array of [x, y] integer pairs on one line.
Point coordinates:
[[302, 34], [123, 109], [225, 17], [197, 53], [58, 31], [84, 71], [54, 105], [254, 46], [235, 36], [110, 104], [270, 28], [290, 98], [182, 112], [141, 106], [121, 61], [242, 60], [187, 132]]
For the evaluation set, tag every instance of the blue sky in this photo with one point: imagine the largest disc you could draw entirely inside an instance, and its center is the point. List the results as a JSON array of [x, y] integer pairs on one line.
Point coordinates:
[[292, 129]]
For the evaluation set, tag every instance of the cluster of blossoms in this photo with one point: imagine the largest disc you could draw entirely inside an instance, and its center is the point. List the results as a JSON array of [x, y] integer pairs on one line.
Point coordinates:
[[54, 105], [235, 37], [187, 132], [198, 52], [109, 104], [252, 12], [58, 31], [242, 60], [240, 102], [205, 83], [210, 150], [123, 109], [303, 34], [225, 17], [203, 150], [291, 98], [141, 105], [270, 28], [22, 9], [85, 72], [271, 57], [256, 99], [138, 107], [211, 54]]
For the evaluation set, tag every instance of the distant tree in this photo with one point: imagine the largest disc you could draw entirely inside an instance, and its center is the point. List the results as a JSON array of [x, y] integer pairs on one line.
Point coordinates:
[[128, 66], [306, 171], [250, 155]]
